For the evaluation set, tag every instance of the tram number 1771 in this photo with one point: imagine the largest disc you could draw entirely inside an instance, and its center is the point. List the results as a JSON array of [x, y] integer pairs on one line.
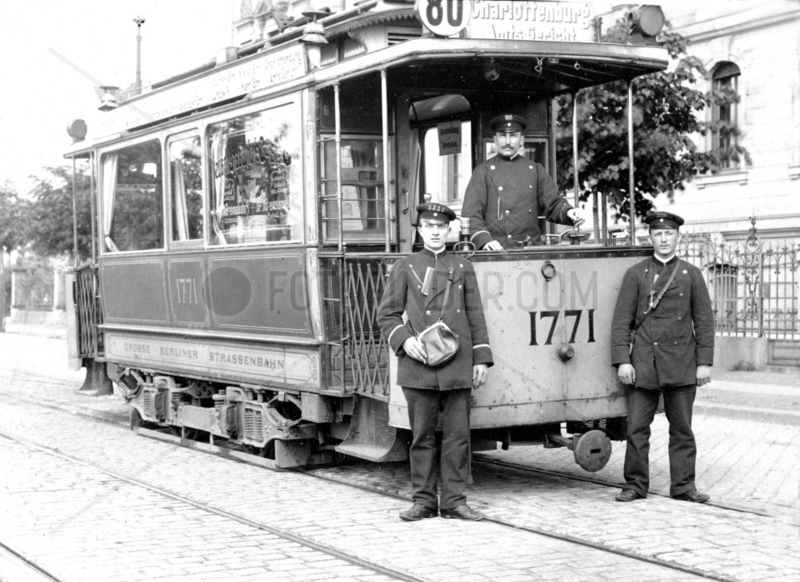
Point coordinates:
[[553, 316]]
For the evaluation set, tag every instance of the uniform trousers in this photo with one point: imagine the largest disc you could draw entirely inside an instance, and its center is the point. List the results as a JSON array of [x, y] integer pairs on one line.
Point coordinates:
[[642, 405], [424, 407]]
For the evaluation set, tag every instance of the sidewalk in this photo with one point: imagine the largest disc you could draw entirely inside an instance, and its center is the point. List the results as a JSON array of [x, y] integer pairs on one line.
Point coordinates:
[[38, 330]]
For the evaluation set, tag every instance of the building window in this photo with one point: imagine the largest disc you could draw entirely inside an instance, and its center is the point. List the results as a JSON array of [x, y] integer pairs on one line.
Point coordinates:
[[725, 105]]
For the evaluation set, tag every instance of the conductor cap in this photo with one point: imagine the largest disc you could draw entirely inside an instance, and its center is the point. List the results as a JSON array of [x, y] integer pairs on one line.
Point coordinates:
[[663, 220], [508, 123], [435, 211]]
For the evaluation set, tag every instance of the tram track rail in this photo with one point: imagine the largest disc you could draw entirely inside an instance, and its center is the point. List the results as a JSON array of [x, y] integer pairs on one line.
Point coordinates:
[[278, 532], [26, 562], [256, 460], [236, 455], [479, 459]]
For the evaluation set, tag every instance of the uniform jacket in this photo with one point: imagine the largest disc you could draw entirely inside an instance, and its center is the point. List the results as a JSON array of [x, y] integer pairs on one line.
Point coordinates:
[[676, 337], [505, 198], [463, 313]]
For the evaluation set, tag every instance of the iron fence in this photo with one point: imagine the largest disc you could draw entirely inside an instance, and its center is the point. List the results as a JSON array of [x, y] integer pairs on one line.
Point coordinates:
[[754, 284]]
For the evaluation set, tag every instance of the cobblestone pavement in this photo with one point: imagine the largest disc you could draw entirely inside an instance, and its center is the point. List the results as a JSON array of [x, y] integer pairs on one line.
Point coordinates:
[[749, 461], [84, 524]]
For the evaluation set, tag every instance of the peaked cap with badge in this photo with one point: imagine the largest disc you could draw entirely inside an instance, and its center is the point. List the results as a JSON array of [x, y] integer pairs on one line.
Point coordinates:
[[435, 211], [663, 219], [508, 123]]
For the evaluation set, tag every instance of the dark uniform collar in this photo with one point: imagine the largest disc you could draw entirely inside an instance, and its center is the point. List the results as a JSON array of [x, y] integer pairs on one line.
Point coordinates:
[[661, 263], [429, 253], [516, 157]]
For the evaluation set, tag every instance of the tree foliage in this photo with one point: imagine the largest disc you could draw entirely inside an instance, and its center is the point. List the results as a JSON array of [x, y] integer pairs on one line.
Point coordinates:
[[12, 207], [49, 224], [42, 220], [665, 115]]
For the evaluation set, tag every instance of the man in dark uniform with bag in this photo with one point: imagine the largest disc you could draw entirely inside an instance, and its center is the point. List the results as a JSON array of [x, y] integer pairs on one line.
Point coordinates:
[[663, 344], [507, 193], [427, 286]]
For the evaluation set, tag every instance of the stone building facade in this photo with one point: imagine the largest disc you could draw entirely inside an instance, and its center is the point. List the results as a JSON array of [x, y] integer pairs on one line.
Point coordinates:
[[753, 49]]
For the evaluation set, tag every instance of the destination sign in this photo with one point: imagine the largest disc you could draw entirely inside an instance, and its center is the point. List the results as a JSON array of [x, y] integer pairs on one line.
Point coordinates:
[[506, 20], [528, 20], [230, 81], [253, 363]]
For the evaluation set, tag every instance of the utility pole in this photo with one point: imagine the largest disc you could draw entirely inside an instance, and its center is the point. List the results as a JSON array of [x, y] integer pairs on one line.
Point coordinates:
[[139, 22]]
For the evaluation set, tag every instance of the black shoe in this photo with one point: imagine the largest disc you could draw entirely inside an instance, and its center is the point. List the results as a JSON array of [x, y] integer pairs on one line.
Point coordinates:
[[627, 495], [694, 496], [463, 512], [418, 512]]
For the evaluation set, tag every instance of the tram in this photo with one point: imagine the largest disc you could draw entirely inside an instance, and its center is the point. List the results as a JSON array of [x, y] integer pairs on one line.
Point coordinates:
[[247, 214]]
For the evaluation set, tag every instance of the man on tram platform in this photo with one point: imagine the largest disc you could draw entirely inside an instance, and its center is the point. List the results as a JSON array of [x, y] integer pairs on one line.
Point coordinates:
[[428, 286], [508, 192]]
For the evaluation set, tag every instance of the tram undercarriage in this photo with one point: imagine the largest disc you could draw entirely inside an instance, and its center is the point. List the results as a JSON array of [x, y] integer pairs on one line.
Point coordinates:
[[304, 429]]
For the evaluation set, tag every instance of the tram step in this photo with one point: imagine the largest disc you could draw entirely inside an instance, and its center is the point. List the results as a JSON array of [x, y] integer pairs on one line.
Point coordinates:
[[370, 435]]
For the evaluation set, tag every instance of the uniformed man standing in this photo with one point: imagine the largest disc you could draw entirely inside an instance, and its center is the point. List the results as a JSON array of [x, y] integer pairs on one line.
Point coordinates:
[[418, 287], [671, 355], [508, 192]]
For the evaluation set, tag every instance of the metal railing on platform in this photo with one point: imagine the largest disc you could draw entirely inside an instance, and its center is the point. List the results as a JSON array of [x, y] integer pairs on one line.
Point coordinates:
[[90, 314], [360, 355]]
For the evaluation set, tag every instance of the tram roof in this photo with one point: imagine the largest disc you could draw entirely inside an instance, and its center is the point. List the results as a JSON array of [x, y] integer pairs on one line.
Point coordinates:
[[415, 60]]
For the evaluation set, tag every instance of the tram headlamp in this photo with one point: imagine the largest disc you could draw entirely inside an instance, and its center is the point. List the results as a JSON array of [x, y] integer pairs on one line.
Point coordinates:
[[646, 23], [548, 271]]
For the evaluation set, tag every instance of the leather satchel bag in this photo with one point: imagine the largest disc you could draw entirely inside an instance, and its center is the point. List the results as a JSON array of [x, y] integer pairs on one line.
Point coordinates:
[[441, 343]]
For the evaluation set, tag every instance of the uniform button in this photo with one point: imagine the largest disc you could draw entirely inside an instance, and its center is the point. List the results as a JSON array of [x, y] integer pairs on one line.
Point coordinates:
[[675, 343], [500, 188], [419, 286], [654, 343], [428, 312], [460, 286], [458, 311], [679, 319], [530, 186], [492, 167], [531, 167], [509, 236], [508, 212], [681, 294]]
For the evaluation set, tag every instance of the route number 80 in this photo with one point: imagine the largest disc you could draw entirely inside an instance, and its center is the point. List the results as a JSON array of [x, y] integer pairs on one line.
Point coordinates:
[[444, 17]]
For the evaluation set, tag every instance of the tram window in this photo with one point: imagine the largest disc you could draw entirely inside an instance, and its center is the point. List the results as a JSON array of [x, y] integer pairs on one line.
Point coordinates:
[[132, 198], [256, 177], [186, 188], [447, 176], [363, 209]]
